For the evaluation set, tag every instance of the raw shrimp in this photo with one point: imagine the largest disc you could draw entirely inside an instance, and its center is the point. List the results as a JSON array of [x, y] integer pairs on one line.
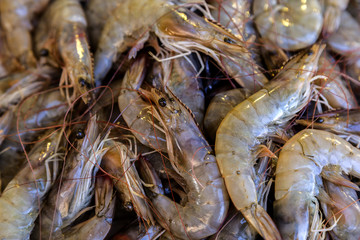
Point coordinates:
[[303, 158], [97, 12], [250, 122], [332, 14], [136, 232], [127, 26], [68, 198], [138, 113], [292, 25], [185, 84], [219, 106], [16, 17], [62, 35], [334, 88], [344, 208], [207, 200], [117, 162], [183, 31], [22, 199], [99, 225]]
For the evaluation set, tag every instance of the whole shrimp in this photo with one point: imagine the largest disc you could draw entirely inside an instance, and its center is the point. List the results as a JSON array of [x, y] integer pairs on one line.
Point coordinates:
[[245, 126], [127, 26], [342, 209], [23, 197], [303, 158], [62, 36], [219, 106], [332, 14], [292, 25], [183, 31], [99, 225], [137, 112], [117, 162], [68, 198], [16, 17], [207, 200]]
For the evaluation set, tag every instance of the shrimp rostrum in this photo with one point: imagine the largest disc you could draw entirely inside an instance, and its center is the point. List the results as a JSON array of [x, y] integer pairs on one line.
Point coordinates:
[[207, 200], [240, 134], [301, 161]]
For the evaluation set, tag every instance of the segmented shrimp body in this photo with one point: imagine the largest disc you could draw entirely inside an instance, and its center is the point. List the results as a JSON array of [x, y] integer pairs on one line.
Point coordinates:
[[244, 127], [22, 198], [207, 201], [62, 34], [292, 25], [16, 17], [300, 163], [332, 14]]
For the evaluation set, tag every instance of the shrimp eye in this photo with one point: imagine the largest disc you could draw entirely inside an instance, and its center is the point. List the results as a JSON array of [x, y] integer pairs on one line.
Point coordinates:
[[228, 40], [84, 83], [319, 120], [128, 206], [162, 102], [80, 134], [44, 52]]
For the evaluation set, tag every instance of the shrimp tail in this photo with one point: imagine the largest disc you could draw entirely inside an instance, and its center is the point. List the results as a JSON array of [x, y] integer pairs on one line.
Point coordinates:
[[261, 221], [150, 177]]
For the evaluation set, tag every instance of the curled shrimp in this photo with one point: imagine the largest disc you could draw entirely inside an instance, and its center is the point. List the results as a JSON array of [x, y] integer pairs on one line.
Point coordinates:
[[303, 158], [16, 17], [182, 31], [62, 35], [68, 198], [24, 195], [292, 25], [207, 200], [245, 126]]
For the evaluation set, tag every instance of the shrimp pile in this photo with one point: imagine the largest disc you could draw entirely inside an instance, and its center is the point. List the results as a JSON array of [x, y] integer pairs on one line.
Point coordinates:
[[179, 119]]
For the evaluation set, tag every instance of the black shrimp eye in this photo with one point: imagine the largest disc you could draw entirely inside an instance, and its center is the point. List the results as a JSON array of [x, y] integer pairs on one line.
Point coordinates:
[[44, 52], [162, 102], [228, 40], [128, 206], [319, 120], [80, 134]]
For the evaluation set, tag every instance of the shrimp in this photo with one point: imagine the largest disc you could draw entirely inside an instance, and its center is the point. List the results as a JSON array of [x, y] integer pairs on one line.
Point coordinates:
[[137, 113], [142, 232], [127, 181], [245, 126], [97, 12], [219, 106], [127, 26], [343, 208], [292, 25], [185, 84], [16, 17], [183, 31], [207, 200], [22, 198], [345, 124], [334, 88], [68, 198], [62, 35], [99, 225], [303, 158], [332, 14]]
